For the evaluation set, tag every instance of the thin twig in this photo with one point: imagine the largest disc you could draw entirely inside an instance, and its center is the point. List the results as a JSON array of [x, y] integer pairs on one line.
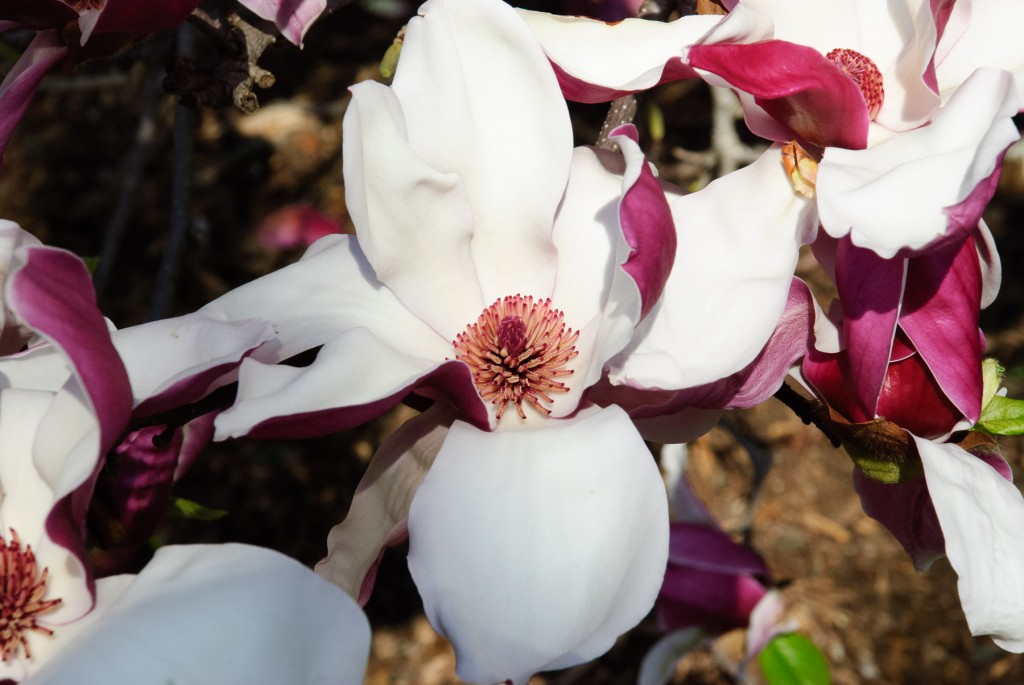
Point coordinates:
[[809, 411], [131, 175]]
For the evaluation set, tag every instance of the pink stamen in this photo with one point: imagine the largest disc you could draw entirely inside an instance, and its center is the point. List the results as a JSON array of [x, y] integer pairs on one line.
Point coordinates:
[[864, 73], [22, 588]]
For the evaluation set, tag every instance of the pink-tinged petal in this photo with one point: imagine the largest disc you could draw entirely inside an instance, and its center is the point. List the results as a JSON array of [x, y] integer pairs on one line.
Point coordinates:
[[597, 62], [228, 614], [196, 351], [980, 513], [135, 18], [940, 317], [767, 620], [646, 222], [30, 494], [983, 34], [471, 76], [895, 194], [730, 283], [297, 225], [534, 549], [906, 510], [13, 336], [757, 382], [52, 293], [415, 224], [796, 86], [18, 87], [870, 289], [991, 266], [684, 426], [338, 391], [378, 516], [292, 17], [599, 299], [716, 601]]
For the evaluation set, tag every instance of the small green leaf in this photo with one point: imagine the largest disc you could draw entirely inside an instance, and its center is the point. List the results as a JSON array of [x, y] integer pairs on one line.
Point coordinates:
[[188, 509], [389, 63], [792, 659], [655, 122], [1002, 416], [91, 263]]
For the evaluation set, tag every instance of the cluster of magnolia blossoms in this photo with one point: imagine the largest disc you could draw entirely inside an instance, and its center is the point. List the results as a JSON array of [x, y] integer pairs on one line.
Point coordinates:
[[551, 307]]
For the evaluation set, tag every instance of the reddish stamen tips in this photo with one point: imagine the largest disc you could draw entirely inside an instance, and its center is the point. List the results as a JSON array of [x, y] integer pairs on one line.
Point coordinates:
[[864, 73], [516, 350], [22, 588]]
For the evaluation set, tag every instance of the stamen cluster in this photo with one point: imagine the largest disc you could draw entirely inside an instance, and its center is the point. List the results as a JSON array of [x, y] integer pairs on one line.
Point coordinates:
[[516, 350], [864, 73], [22, 588]]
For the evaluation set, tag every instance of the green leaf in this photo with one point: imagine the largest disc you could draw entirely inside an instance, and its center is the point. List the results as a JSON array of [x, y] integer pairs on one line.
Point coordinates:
[[1002, 416], [792, 659], [91, 263], [655, 122], [885, 470], [188, 509]]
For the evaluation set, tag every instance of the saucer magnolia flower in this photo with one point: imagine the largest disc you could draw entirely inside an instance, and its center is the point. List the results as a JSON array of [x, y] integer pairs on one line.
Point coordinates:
[[57, 624], [897, 167], [73, 29]]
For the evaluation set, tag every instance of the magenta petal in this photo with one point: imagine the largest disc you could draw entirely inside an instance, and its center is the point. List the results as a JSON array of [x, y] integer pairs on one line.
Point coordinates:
[[52, 293], [715, 601], [700, 546], [940, 316], [794, 84], [37, 14], [965, 215], [648, 227], [870, 289], [136, 18], [907, 511], [17, 89]]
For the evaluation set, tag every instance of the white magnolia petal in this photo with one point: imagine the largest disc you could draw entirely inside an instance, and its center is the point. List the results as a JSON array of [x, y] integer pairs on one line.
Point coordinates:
[[12, 236], [330, 291], [729, 285], [822, 25], [354, 369], [628, 55], [598, 297], [187, 345], [534, 549], [481, 100], [981, 515], [986, 35], [991, 265], [226, 614], [893, 195], [414, 223]]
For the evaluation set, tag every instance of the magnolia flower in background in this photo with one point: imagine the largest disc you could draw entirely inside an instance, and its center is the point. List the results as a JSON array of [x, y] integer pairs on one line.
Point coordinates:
[[74, 30], [195, 613], [890, 164]]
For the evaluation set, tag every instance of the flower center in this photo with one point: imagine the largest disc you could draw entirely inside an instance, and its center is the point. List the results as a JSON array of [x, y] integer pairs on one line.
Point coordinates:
[[22, 588], [864, 73], [516, 350]]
